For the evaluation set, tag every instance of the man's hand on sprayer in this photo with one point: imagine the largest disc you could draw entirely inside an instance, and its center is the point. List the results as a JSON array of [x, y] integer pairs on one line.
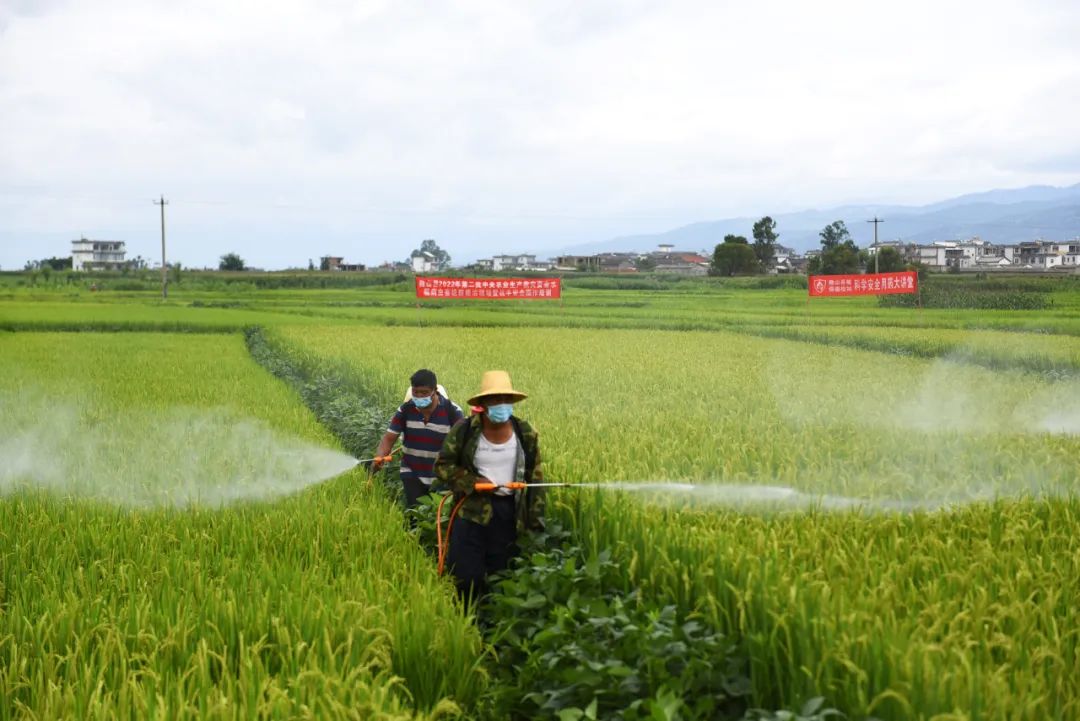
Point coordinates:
[[375, 463], [383, 455]]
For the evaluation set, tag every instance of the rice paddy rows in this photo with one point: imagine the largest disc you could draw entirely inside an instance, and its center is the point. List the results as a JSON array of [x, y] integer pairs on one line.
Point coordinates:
[[314, 605], [317, 604], [968, 612], [702, 308]]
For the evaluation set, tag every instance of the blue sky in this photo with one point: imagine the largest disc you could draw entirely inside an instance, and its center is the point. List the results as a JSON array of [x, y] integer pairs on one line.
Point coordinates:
[[288, 130]]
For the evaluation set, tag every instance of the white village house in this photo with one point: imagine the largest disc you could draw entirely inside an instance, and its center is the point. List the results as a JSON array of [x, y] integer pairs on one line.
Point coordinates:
[[973, 253], [977, 254], [520, 262], [1053, 255], [517, 262], [424, 262], [89, 254]]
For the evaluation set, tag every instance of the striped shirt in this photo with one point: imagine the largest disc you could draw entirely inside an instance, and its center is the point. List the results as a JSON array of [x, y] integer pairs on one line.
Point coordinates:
[[421, 441]]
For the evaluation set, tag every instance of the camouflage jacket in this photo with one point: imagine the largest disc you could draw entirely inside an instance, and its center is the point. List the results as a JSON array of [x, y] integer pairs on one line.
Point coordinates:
[[456, 469]]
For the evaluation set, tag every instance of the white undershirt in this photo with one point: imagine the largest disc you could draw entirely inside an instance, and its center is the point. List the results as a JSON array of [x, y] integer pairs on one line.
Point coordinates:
[[497, 462]]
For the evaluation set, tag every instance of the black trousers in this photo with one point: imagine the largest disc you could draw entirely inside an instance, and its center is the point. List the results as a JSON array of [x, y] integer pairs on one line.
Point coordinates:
[[414, 490], [476, 551]]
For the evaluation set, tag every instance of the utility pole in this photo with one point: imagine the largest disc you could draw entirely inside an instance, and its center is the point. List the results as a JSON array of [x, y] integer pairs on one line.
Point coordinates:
[[877, 250], [165, 268]]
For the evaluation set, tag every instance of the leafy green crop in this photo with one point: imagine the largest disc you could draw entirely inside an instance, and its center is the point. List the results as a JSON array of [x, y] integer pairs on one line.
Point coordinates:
[[899, 616], [319, 604], [570, 637], [316, 605]]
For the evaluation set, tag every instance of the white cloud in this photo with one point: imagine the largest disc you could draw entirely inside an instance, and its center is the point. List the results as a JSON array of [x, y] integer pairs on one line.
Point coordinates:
[[492, 124]]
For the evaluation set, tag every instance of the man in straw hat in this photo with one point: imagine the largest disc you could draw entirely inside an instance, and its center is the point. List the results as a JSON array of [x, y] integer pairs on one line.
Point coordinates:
[[423, 421], [494, 446]]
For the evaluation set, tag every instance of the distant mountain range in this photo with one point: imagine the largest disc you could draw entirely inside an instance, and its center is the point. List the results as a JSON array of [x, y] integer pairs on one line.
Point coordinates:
[[999, 216]]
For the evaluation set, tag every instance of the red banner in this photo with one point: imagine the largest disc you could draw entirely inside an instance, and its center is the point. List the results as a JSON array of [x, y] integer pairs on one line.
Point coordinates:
[[826, 286], [492, 289]]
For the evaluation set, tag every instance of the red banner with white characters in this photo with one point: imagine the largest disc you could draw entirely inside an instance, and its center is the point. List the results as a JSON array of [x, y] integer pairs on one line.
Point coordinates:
[[826, 286], [489, 288]]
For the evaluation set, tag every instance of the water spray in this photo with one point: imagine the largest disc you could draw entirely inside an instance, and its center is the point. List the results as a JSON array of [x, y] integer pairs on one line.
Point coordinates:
[[727, 495], [177, 458]]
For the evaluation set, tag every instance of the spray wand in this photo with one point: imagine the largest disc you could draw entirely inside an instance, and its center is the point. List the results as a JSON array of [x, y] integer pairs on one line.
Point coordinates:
[[376, 461], [380, 459], [516, 486]]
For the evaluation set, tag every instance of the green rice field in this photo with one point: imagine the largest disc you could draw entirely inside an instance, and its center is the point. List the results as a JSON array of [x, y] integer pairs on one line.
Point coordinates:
[[875, 505]]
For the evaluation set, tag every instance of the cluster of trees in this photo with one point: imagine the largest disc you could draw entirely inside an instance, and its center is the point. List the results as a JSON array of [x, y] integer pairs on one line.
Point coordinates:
[[442, 258], [231, 261], [839, 254], [737, 256], [52, 263]]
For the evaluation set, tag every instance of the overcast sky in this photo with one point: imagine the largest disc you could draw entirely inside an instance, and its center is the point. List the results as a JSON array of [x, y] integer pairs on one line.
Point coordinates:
[[289, 130]]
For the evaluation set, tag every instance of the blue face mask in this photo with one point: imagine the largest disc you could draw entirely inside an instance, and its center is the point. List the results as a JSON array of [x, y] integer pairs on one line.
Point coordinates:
[[500, 413], [422, 402]]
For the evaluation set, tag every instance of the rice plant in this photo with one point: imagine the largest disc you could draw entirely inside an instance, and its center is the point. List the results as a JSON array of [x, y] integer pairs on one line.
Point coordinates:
[[945, 588], [310, 604]]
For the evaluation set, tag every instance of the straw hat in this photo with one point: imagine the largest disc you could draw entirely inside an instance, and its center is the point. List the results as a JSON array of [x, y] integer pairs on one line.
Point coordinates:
[[496, 383]]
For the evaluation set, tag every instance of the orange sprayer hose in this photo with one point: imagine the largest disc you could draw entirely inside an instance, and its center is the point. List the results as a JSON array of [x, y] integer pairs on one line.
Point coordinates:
[[444, 546]]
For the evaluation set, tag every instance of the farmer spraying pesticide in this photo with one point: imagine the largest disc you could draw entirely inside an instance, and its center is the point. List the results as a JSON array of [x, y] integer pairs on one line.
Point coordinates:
[[490, 462], [423, 421]]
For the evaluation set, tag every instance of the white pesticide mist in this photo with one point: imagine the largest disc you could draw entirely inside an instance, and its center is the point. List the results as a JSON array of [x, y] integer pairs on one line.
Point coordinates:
[[908, 434], [874, 433], [955, 396], [176, 457], [759, 498], [1064, 421], [943, 395], [881, 434]]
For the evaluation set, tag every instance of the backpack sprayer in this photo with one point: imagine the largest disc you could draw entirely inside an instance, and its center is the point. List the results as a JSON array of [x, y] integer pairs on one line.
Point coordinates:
[[443, 543]]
